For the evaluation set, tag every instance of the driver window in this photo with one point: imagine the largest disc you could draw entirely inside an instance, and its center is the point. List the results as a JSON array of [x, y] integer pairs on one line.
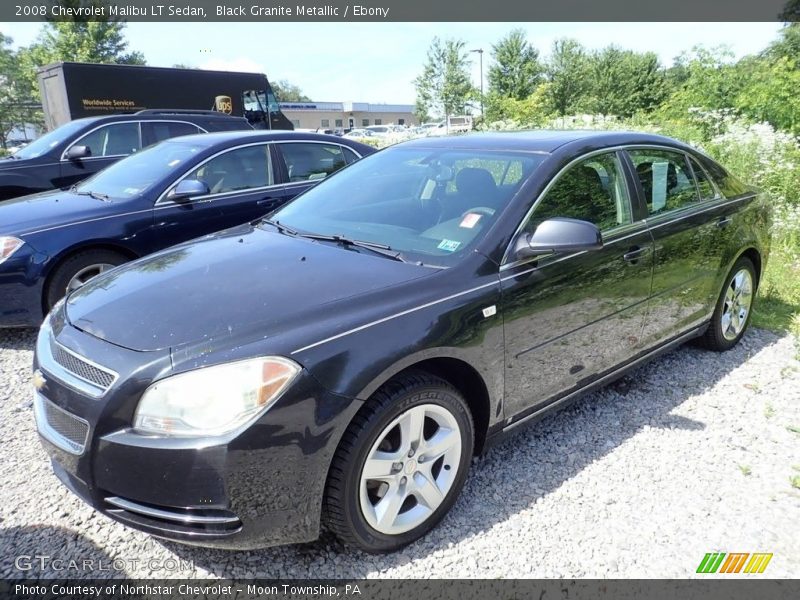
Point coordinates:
[[593, 190], [241, 169], [118, 139]]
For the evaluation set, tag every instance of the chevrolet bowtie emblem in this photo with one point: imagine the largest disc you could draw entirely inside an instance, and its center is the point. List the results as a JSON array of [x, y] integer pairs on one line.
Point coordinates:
[[38, 379]]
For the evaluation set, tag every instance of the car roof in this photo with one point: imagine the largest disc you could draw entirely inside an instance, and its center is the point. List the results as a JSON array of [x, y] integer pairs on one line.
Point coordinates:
[[166, 115], [542, 140], [223, 138]]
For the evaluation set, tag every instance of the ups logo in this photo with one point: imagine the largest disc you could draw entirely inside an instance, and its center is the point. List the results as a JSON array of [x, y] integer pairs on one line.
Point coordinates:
[[223, 104]]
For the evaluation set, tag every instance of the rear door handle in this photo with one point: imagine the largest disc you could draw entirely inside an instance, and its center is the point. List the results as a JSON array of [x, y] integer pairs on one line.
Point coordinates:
[[634, 253], [724, 222], [268, 200]]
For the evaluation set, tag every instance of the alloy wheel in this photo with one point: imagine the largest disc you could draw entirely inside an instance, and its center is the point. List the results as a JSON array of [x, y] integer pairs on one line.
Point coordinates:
[[84, 275], [410, 469], [737, 303]]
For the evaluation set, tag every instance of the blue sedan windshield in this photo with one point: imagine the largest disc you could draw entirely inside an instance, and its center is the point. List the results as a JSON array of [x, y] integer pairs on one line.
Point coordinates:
[[429, 204], [138, 172]]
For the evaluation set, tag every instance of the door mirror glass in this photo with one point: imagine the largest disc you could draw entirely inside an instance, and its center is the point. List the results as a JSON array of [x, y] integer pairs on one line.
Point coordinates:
[[78, 152], [559, 234], [188, 188]]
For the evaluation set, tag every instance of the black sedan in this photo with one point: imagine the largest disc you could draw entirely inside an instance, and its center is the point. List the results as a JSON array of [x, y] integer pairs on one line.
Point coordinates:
[[342, 361], [83, 147], [54, 242]]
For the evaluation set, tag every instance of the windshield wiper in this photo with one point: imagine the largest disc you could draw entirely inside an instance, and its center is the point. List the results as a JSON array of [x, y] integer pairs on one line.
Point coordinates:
[[91, 194], [381, 249], [280, 227]]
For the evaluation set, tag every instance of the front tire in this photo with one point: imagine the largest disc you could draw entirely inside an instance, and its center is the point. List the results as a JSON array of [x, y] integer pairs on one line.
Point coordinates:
[[734, 308], [400, 465], [77, 270]]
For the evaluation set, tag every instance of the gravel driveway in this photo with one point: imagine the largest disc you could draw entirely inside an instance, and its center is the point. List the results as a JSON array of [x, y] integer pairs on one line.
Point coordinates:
[[691, 454]]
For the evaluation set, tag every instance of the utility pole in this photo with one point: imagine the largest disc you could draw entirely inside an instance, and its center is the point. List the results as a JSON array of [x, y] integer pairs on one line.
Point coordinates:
[[480, 54]]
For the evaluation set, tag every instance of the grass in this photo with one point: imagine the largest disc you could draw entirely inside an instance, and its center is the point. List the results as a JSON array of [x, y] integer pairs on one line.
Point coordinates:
[[795, 481], [793, 429], [769, 411], [778, 305], [745, 469]]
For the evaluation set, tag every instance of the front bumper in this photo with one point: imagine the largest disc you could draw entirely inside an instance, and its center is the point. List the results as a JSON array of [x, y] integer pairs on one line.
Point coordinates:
[[21, 285], [260, 488]]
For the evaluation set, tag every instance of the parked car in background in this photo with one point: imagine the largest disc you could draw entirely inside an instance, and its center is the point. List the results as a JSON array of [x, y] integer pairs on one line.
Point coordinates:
[[54, 242], [83, 147], [380, 130], [455, 124], [344, 360], [359, 133]]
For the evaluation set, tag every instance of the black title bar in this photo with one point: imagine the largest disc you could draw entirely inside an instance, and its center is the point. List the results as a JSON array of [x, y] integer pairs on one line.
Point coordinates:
[[403, 10]]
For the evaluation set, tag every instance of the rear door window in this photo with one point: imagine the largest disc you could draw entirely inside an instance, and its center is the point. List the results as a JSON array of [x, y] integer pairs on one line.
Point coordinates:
[[310, 161], [158, 131], [666, 180]]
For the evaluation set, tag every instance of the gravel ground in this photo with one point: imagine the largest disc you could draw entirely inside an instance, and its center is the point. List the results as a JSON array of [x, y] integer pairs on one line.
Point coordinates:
[[690, 454]]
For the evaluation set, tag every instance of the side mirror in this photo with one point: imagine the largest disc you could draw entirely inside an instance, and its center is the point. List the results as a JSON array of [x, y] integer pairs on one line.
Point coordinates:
[[78, 152], [559, 234], [187, 189]]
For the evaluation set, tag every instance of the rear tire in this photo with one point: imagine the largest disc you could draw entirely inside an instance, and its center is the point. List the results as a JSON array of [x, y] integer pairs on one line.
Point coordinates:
[[734, 308], [383, 492], [77, 270]]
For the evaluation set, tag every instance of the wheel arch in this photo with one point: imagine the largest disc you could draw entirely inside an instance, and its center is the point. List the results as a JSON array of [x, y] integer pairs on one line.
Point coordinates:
[[458, 372], [68, 253]]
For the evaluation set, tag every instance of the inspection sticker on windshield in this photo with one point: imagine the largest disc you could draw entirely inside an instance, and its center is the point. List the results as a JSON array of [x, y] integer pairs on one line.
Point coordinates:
[[449, 245], [470, 220]]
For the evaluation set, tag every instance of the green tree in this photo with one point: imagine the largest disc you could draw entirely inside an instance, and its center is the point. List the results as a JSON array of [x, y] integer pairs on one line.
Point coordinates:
[[567, 71], [710, 81], [772, 94], [444, 87], [77, 40], [533, 111], [16, 103], [788, 42], [516, 70], [623, 82], [288, 92]]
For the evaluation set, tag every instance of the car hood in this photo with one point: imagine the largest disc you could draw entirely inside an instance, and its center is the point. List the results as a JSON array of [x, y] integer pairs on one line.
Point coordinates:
[[244, 281], [55, 208]]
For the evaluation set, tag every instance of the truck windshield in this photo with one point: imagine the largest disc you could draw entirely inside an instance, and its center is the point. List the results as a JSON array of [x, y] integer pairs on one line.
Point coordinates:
[[139, 172], [50, 140], [431, 205]]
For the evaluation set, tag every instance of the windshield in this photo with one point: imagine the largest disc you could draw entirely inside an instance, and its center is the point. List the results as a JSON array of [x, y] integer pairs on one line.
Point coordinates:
[[50, 140], [431, 205], [139, 172]]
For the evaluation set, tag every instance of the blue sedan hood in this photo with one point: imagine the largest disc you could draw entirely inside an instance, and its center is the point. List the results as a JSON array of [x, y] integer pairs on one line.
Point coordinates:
[[244, 281], [54, 208]]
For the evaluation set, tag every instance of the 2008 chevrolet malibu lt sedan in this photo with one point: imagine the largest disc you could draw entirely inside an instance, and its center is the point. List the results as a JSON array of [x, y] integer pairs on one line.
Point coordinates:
[[340, 361]]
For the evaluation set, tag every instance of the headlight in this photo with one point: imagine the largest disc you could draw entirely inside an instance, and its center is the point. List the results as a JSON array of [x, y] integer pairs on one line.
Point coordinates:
[[9, 245], [213, 400]]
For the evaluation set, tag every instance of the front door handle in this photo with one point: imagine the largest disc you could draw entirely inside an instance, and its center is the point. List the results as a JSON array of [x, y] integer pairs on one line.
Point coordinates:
[[268, 200], [724, 222], [634, 253]]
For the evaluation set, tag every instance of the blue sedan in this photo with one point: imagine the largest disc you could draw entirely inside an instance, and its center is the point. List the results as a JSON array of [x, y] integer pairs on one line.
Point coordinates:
[[54, 242]]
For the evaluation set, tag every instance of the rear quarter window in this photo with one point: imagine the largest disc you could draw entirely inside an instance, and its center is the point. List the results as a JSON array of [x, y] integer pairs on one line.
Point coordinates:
[[728, 185]]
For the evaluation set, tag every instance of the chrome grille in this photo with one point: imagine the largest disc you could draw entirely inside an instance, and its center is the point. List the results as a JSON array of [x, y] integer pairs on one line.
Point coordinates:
[[64, 429], [83, 369]]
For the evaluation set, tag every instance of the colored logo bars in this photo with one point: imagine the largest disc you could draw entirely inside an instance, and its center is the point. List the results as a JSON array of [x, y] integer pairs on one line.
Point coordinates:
[[716, 562]]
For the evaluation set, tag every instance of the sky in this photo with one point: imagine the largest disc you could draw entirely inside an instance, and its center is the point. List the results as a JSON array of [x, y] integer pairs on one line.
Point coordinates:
[[377, 62]]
